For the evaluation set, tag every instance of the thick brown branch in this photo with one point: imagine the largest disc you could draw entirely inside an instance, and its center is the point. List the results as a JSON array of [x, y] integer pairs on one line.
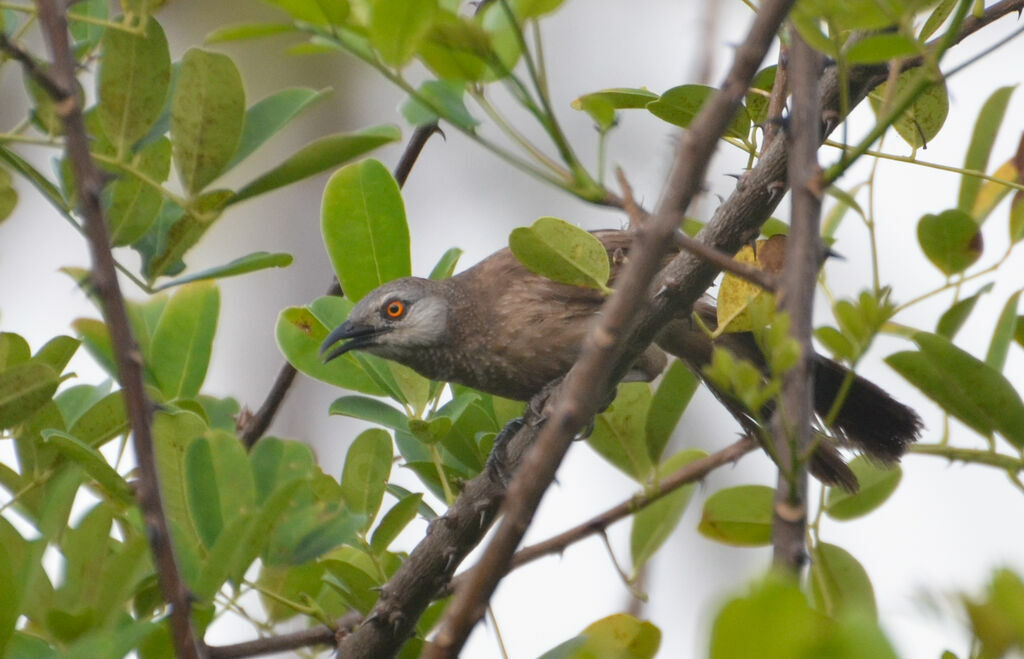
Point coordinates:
[[256, 425], [791, 426], [606, 353], [89, 184]]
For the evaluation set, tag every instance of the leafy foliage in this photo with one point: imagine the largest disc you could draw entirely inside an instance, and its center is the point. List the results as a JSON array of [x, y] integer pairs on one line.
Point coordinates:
[[170, 135]]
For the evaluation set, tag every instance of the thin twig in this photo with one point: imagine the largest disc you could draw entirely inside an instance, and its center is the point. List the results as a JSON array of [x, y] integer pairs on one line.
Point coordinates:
[[256, 425], [605, 356], [691, 473], [89, 183], [791, 425], [285, 642]]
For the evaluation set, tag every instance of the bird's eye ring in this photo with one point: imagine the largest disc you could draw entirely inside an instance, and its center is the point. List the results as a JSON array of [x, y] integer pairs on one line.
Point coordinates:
[[395, 309]]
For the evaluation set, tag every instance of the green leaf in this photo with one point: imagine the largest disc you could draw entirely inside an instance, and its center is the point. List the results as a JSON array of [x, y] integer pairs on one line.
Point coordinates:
[[318, 12], [133, 80], [985, 128], [601, 105], [936, 18], [953, 318], [998, 620], [87, 35], [619, 636], [839, 583], [366, 471], [102, 421], [680, 105], [243, 31], [883, 47], [555, 249], [1017, 218], [757, 101], [40, 182], [93, 463], [240, 266], [207, 115], [951, 240], [526, 9], [133, 204], [446, 264], [173, 433], [292, 583], [264, 119], [57, 352], [301, 331], [877, 483], [97, 342], [398, 26], [184, 338], [8, 195], [308, 532], [15, 350], [618, 434], [318, 156], [439, 99], [751, 625], [740, 515], [671, 398], [24, 389], [457, 48], [921, 122], [394, 521], [276, 462], [964, 386], [654, 524], [372, 410], [363, 223], [1003, 334], [218, 484]]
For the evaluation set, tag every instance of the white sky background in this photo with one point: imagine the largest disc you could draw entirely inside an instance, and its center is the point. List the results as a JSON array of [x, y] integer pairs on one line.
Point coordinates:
[[944, 529]]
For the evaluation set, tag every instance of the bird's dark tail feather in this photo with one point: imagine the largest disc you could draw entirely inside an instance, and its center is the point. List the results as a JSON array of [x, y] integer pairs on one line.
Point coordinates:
[[869, 419]]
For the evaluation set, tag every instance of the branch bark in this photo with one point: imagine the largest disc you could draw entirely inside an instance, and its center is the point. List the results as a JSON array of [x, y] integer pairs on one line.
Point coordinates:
[[791, 426], [89, 185]]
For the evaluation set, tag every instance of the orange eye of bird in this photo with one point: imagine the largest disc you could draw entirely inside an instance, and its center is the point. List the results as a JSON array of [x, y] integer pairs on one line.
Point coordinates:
[[395, 309]]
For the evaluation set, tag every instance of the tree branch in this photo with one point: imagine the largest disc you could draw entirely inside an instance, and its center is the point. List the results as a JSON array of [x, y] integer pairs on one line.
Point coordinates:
[[607, 350], [791, 425], [256, 425], [89, 183]]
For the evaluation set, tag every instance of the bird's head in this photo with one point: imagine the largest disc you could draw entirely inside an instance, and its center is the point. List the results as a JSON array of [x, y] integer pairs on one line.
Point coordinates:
[[404, 315]]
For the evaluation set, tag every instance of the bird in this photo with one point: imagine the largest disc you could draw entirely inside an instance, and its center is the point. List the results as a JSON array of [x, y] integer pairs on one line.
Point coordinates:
[[501, 329]]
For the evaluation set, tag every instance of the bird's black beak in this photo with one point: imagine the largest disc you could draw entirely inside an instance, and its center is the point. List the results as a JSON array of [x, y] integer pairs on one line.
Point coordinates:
[[361, 336]]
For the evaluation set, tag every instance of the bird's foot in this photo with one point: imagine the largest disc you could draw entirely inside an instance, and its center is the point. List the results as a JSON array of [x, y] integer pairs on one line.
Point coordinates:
[[497, 462]]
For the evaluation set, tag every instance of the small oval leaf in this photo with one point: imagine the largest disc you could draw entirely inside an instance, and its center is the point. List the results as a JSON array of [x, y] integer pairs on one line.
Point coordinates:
[[739, 515], [555, 249], [877, 483]]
